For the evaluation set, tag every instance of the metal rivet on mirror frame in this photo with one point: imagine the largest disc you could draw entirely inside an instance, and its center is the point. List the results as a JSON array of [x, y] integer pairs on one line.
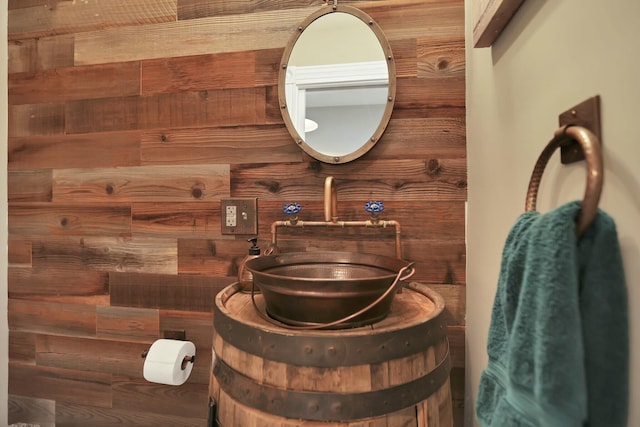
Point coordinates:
[[336, 159], [283, 106], [390, 98], [299, 141]]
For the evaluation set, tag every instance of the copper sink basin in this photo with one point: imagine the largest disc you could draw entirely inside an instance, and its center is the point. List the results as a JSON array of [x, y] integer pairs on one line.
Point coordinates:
[[321, 288]]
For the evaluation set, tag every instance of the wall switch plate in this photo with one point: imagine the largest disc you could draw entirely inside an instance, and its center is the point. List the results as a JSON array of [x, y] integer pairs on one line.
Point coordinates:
[[239, 216]]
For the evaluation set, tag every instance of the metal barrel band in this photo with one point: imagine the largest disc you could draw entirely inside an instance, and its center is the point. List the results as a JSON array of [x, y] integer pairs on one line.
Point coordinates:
[[326, 406], [329, 350]]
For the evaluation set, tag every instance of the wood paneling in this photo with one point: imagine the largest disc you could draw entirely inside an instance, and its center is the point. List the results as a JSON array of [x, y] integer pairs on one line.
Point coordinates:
[[130, 120], [90, 82], [134, 255], [140, 324], [81, 415], [223, 107], [52, 317], [178, 292], [232, 144], [57, 219], [36, 119], [227, 70], [94, 150], [233, 33], [60, 385], [60, 16], [141, 184], [19, 252]]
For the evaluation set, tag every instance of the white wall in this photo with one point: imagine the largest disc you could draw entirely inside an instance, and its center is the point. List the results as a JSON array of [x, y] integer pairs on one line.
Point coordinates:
[[552, 56], [3, 217]]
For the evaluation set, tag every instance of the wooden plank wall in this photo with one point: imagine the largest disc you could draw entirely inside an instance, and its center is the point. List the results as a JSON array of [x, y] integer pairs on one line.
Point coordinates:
[[129, 120]]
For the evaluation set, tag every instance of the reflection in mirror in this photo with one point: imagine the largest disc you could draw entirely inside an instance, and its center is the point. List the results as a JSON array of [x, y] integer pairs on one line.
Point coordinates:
[[337, 84]]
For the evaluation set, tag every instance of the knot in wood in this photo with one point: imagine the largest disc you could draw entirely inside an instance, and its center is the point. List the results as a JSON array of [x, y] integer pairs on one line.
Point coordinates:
[[433, 167]]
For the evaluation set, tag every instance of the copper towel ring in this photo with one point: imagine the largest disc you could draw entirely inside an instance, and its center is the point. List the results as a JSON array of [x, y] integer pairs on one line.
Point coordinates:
[[595, 172]]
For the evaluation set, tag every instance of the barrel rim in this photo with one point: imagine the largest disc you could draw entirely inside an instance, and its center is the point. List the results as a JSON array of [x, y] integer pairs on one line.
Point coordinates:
[[330, 349]]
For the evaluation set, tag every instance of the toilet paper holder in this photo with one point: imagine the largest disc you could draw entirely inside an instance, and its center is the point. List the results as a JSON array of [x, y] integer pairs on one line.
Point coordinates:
[[185, 360]]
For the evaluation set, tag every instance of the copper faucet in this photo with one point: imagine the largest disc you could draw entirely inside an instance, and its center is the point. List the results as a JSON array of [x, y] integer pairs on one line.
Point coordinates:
[[331, 220]]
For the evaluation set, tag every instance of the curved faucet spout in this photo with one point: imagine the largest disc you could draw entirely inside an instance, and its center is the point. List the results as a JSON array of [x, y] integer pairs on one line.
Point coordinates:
[[330, 200]]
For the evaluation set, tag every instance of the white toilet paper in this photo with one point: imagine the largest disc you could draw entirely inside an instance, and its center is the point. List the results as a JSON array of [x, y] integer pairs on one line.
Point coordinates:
[[163, 363]]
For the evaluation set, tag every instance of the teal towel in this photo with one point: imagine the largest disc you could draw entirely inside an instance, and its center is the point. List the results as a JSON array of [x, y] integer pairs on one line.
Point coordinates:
[[558, 341]]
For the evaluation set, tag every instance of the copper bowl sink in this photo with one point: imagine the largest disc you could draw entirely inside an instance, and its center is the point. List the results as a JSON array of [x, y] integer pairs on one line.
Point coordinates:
[[321, 288]]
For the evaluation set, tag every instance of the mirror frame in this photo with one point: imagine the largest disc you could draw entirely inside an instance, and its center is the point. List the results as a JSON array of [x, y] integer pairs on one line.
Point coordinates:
[[384, 121]]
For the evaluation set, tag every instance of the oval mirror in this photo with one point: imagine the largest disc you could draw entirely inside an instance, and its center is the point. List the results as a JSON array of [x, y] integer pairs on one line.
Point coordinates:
[[336, 86]]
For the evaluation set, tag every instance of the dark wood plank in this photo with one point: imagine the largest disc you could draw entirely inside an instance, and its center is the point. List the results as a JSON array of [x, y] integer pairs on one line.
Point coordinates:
[[22, 347], [268, 63], [198, 72], [23, 56], [31, 55], [51, 318], [211, 256], [180, 292], [62, 84], [83, 415], [18, 4], [219, 145], [90, 354], [133, 324], [190, 398], [75, 151], [457, 345], [115, 254], [29, 185], [436, 138], [36, 119], [228, 107], [69, 220], [429, 93], [55, 52], [177, 220], [70, 286], [181, 183], [61, 385]]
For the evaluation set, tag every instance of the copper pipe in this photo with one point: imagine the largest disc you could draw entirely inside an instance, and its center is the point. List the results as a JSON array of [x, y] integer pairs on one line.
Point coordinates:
[[331, 220], [595, 171], [330, 200], [340, 224]]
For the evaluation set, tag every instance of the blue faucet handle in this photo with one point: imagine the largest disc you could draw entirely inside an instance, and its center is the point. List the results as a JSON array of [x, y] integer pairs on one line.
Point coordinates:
[[292, 208], [374, 207]]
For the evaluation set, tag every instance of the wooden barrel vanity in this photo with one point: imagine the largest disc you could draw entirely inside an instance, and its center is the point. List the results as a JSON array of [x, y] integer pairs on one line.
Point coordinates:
[[391, 373]]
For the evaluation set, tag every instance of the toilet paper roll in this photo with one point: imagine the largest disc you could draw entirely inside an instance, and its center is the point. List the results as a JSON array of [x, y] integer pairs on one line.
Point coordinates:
[[164, 362]]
